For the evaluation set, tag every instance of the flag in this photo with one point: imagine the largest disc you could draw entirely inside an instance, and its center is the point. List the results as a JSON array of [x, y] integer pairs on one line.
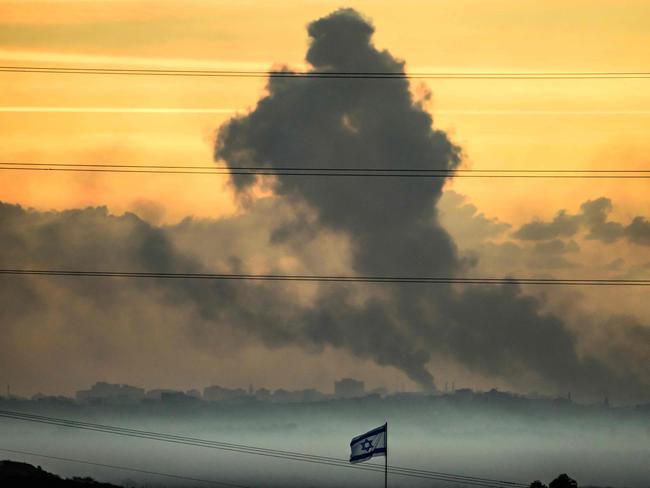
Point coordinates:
[[373, 443]]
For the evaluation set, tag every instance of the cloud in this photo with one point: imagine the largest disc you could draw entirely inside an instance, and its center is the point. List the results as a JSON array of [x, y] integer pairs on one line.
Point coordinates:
[[562, 225], [394, 227], [484, 245], [85, 327], [638, 231], [592, 218], [556, 247], [354, 123], [624, 340], [464, 221], [345, 226], [551, 254]]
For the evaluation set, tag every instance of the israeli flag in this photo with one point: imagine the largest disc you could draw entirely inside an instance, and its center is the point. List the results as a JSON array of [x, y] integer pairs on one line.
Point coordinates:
[[373, 443]]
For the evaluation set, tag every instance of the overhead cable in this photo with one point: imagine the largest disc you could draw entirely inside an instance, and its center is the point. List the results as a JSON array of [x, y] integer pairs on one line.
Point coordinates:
[[273, 453], [380, 75], [515, 280], [332, 172], [123, 468]]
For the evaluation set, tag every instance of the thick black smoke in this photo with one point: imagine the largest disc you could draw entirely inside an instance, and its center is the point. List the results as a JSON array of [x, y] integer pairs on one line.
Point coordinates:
[[352, 123], [392, 224], [356, 123], [370, 226]]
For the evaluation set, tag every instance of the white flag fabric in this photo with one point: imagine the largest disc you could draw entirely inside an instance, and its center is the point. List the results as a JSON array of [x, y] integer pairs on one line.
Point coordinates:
[[372, 443]]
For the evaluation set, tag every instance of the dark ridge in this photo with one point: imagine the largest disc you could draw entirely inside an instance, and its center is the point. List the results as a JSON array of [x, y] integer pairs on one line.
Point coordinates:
[[13, 473]]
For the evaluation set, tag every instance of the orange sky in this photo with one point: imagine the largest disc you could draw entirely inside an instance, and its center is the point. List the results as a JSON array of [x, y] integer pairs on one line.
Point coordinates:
[[499, 123], [524, 124]]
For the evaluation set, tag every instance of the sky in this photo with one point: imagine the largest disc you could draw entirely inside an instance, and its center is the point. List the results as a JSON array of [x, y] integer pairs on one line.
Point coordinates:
[[517, 227]]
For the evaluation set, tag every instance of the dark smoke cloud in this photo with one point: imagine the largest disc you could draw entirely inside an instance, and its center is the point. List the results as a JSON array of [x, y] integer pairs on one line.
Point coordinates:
[[352, 123], [638, 231], [105, 315], [355, 123], [393, 225], [592, 218], [92, 239], [97, 318], [628, 343], [372, 226], [563, 225]]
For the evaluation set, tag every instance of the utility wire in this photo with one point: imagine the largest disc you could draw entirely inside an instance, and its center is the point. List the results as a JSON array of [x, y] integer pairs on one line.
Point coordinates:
[[242, 449], [554, 75], [123, 468], [333, 172], [229, 446], [309, 168], [289, 455], [332, 278]]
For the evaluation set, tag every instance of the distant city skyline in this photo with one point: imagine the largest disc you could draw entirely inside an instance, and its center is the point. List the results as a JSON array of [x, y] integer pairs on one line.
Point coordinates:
[[104, 393]]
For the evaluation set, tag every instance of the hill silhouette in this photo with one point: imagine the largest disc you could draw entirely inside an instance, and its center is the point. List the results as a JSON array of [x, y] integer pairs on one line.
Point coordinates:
[[18, 474]]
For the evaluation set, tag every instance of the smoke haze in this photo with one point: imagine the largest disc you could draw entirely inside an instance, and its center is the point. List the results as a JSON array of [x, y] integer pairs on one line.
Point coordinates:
[[371, 226]]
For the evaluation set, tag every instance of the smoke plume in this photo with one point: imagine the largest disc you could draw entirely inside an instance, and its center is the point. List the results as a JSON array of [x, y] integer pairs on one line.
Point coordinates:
[[344, 225], [392, 224]]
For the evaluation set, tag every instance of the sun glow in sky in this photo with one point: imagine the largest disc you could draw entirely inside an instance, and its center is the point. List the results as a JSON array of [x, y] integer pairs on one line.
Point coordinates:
[[172, 120]]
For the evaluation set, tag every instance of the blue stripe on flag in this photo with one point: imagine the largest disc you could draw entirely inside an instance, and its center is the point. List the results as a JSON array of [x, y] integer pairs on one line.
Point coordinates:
[[361, 437], [368, 455]]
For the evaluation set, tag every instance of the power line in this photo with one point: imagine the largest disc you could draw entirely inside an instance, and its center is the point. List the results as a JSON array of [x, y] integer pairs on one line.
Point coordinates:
[[333, 172], [124, 468], [522, 75], [33, 109], [287, 455], [330, 278], [274, 453], [370, 169]]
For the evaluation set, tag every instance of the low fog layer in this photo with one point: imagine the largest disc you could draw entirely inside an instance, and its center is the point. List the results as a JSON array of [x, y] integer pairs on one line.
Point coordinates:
[[491, 435]]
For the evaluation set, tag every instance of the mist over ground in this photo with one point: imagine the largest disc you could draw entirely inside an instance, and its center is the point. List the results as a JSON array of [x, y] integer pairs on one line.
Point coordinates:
[[491, 435]]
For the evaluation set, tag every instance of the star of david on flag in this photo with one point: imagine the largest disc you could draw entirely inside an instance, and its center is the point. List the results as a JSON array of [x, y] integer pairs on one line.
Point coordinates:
[[372, 443]]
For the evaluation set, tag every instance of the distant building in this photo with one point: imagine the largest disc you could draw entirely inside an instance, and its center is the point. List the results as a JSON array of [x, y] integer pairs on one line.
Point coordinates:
[[311, 395], [194, 393], [283, 396], [159, 393], [178, 398], [217, 393], [102, 392], [562, 402], [349, 388], [380, 390], [299, 396], [464, 394], [156, 394], [51, 399], [263, 395]]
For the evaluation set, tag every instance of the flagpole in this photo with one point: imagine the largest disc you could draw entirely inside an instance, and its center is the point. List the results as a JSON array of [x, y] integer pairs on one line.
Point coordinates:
[[386, 459]]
